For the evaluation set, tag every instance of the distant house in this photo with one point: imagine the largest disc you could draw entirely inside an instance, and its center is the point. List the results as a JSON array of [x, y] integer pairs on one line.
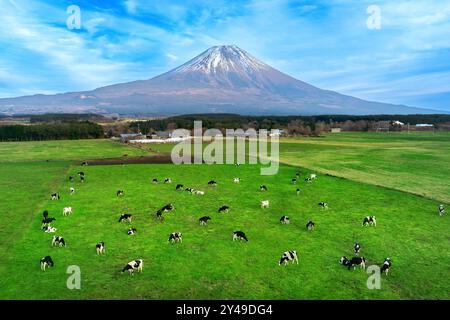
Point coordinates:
[[336, 130], [161, 135], [126, 137], [397, 123]]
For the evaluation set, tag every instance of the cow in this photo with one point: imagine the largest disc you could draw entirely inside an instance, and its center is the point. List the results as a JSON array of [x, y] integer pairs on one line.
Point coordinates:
[[58, 241], [288, 256], [441, 210], [167, 180], [72, 190], [175, 237], [200, 193], [84, 163], [82, 179], [298, 191], [386, 265], [265, 204], [55, 196], [308, 180], [125, 217], [80, 174], [154, 181], [168, 207], [294, 180], [284, 220], [263, 188], [223, 209], [191, 190], [49, 229], [297, 174], [46, 262], [369, 220], [212, 183], [313, 176], [67, 210], [100, 247], [71, 179], [131, 266], [357, 248], [131, 231], [179, 187], [357, 261], [239, 235], [310, 225], [45, 214], [345, 262], [47, 221], [120, 193], [204, 220], [323, 205], [236, 180]]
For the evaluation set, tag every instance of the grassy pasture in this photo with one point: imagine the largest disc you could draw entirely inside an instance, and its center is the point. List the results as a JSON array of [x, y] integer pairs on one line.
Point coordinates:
[[208, 265]]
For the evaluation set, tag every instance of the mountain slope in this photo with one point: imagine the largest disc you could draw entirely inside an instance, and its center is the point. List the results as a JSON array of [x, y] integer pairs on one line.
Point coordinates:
[[223, 79]]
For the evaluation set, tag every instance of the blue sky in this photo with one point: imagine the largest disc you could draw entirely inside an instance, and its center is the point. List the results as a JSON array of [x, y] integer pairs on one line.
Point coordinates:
[[325, 43]]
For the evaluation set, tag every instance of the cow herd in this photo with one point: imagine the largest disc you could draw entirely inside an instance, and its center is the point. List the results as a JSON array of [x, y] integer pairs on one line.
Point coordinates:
[[177, 237]]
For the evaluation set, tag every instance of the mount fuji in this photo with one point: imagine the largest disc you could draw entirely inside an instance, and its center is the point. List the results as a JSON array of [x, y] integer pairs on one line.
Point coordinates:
[[223, 79]]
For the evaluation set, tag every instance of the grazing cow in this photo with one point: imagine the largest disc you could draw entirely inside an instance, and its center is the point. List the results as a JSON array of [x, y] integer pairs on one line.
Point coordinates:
[[441, 210], [175, 237], [84, 163], [191, 190], [72, 190], [310, 225], [308, 180], [265, 204], [120, 193], [263, 188], [370, 220], [212, 183], [55, 196], [386, 265], [82, 179], [100, 247], [345, 262], [323, 205], [357, 261], [47, 221], [125, 217], [46, 262], [223, 209], [297, 174], [58, 241], [298, 191], [284, 220], [155, 181], [179, 187], [67, 210], [357, 248], [203, 220], [167, 180], [49, 229], [80, 174], [71, 179], [131, 266], [131, 231], [294, 180], [236, 180], [239, 235], [200, 193], [168, 207], [288, 256], [45, 214], [313, 176]]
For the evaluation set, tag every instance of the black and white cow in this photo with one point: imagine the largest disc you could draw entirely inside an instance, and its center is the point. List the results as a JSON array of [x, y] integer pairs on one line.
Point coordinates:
[[58, 241], [120, 193], [131, 266], [297, 174], [239, 235], [131, 231], [323, 205], [46, 262], [223, 209], [80, 174], [212, 183], [294, 180], [370, 220], [82, 179], [167, 180], [288, 256], [298, 191], [154, 180], [47, 221], [284, 220], [55, 196], [344, 261], [204, 220], [49, 229], [179, 187], [175, 237], [191, 190], [441, 210], [265, 204], [310, 225], [125, 217], [45, 214], [71, 179], [84, 163], [71, 190], [100, 247], [386, 265], [263, 188], [236, 180], [168, 207], [357, 248], [357, 261], [308, 180]]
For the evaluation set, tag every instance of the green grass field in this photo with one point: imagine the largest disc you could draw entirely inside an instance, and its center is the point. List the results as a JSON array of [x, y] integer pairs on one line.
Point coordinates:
[[208, 265]]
